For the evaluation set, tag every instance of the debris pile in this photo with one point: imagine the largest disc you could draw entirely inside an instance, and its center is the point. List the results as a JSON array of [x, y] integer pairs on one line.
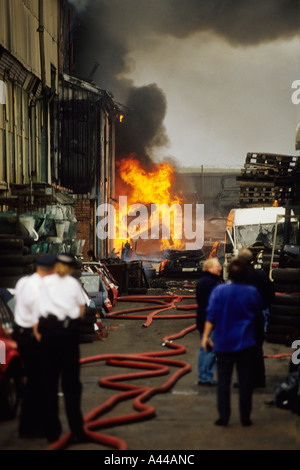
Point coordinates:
[[268, 177]]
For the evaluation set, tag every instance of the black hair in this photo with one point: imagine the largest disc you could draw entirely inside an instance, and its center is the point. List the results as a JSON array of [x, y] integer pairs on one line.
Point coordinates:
[[238, 270]]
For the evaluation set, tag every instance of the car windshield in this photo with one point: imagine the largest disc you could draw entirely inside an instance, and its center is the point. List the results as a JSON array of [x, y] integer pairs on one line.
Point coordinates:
[[249, 234], [6, 317], [91, 282]]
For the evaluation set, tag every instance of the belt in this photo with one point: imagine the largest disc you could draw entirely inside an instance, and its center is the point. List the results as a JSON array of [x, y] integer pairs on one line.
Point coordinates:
[[51, 321], [23, 329], [19, 331]]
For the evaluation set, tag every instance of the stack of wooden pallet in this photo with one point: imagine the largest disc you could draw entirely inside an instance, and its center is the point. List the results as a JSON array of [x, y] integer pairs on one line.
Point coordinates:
[[267, 177]]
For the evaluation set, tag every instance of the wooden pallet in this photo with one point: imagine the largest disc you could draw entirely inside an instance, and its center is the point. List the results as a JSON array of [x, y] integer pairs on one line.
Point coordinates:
[[246, 204], [259, 171], [267, 177], [252, 194], [270, 158], [250, 182]]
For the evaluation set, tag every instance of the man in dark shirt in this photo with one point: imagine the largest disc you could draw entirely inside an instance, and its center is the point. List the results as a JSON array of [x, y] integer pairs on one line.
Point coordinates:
[[258, 279], [209, 279]]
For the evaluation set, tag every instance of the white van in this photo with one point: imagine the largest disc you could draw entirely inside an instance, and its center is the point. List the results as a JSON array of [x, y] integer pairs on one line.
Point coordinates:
[[247, 226]]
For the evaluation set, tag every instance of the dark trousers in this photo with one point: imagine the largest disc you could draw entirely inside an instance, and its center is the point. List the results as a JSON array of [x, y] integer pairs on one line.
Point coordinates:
[[31, 422], [260, 373], [244, 361], [60, 356]]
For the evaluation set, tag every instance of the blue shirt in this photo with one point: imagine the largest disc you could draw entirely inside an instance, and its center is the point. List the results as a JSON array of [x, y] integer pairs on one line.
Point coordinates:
[[232, 309]]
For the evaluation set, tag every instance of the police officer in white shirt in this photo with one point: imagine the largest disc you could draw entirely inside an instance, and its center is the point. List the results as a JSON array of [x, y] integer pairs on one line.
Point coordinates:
[[26, 314], [63, 304]]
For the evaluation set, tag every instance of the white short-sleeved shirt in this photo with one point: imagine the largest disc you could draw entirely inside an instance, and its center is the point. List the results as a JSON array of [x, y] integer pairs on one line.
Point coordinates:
[[27, 294], [61, 296]]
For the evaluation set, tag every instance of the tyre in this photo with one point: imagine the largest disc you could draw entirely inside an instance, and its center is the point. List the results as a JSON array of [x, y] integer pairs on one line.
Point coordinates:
[[7, 282], [16, 260], [29, 269], [282, 286], [26, 250], [12, 271], [284, 320], [286, 274], [281, 329], [284, 310], [278, 339], [11, 243], [28, 241], [286, 299], [11, 252]]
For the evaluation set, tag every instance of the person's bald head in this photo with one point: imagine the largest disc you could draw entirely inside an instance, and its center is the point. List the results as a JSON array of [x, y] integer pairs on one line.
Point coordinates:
[[213, 266]]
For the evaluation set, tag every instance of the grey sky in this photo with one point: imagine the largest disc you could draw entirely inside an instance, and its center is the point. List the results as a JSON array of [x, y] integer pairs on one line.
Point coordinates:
[[222, 101], [222, 71]]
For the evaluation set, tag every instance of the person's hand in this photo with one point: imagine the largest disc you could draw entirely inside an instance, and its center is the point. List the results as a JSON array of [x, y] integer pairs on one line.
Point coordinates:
[[207, 344], [36, 333], [38, 336], [203, 342]]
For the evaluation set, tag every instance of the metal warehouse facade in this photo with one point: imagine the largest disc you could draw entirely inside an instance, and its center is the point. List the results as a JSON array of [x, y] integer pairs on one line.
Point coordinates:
[[56, 131]]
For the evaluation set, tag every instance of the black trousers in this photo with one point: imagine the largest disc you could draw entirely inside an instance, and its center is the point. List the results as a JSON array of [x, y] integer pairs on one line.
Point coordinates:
[[60, 357], [244, 361], [31, 422], [260, 373]]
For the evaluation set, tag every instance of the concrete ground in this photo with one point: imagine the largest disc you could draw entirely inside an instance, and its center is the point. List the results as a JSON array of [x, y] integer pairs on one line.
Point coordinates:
[[183, 414]]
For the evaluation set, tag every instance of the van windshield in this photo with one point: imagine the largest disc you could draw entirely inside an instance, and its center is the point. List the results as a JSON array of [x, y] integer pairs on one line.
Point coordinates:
[[246, 235]]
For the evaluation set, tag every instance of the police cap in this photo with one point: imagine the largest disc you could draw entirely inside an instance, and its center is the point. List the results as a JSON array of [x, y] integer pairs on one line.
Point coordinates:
[[47, 261], [66, 258]]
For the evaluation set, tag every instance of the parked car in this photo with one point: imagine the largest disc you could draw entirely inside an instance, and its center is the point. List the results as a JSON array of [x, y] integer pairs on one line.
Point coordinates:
[[11, 366], [92, 283]]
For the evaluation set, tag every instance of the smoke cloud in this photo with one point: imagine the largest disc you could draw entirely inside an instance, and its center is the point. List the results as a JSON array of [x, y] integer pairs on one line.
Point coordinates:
[[109, 29]]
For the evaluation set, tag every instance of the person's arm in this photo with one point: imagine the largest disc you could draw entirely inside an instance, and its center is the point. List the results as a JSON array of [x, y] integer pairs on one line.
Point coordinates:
[[82, 310], [36, 333], [206, 340], [81, 297]]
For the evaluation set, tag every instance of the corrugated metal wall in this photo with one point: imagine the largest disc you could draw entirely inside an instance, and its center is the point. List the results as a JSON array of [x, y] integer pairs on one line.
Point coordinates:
[[24, 126], [19, 21], [20, 136]]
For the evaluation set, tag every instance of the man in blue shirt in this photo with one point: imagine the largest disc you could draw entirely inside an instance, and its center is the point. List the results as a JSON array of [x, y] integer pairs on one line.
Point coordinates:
[[231, 312]]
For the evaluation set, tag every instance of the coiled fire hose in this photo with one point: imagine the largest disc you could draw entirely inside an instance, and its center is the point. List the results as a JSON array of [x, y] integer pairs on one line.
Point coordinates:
[[150, 364]]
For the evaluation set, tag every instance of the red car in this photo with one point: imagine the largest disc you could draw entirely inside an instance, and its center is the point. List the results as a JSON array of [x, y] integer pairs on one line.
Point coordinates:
[[11, 367]]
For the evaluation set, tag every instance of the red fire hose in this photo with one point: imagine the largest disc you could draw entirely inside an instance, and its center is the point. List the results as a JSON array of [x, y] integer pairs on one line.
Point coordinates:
[[151, 364]]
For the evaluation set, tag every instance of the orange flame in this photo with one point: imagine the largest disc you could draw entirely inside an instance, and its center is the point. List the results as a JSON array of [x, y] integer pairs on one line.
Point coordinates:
[[148, 187]]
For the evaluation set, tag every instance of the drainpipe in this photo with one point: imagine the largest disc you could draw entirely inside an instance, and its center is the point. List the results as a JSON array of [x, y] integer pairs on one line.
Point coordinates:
[[41, 30]]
